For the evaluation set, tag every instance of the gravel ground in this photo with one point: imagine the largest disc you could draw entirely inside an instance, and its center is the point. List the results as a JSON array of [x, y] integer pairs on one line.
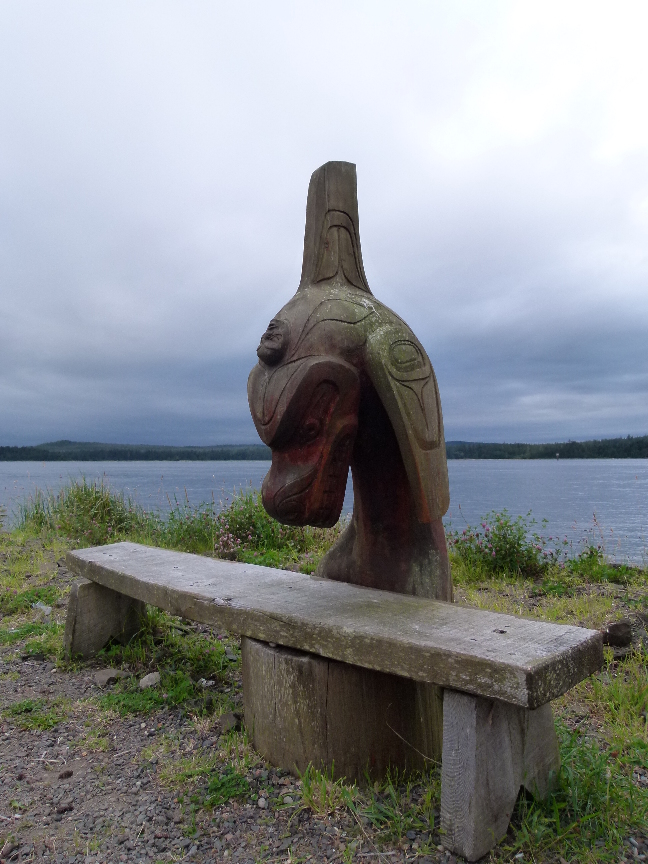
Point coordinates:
[[68, 803]]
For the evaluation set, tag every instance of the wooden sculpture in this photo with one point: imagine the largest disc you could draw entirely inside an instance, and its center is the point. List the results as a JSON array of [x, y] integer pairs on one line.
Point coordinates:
[[342, 380]]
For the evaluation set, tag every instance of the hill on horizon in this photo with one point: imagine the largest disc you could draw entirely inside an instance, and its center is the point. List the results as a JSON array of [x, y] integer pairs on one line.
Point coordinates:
[[87, 451], [631, 447]]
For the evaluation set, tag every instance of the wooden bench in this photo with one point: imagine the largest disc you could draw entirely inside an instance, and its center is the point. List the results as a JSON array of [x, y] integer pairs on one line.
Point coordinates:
[[498, 672]]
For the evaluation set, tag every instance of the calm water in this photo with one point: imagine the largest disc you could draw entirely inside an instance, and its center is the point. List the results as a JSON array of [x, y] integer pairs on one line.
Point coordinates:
[[604, 499]]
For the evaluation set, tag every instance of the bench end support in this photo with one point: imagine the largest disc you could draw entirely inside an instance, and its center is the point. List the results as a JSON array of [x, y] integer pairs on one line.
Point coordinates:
[[97, 614], [490, 750]]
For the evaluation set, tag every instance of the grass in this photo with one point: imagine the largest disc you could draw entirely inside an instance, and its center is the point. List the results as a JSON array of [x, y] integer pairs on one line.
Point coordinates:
[[619, 697], [166, 641], [39, 714], [46, 644], [602, 723], [13, 601], [91, 514], [94, 741], [595, 802], [594, 807], [8, 635], [394, 809], [324, 795], [46, 641], [27, 563], [183, 656], [127, 698], [206, 777], [224, 786]]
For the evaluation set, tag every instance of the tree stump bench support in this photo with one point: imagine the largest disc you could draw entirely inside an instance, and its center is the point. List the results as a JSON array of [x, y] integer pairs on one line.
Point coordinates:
[[337, 673]]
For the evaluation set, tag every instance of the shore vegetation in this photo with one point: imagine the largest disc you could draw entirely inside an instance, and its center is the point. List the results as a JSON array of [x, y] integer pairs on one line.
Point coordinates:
[[599, 809]]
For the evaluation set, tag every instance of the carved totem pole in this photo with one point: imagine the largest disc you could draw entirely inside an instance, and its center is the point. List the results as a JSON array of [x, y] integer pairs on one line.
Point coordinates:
[[342, 381]]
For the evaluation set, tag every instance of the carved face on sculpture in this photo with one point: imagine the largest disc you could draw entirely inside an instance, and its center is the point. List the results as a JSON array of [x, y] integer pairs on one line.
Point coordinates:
[[274, 342]]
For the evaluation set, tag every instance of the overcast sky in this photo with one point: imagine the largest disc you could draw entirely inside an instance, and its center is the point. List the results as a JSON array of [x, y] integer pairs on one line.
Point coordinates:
[[154, 164]]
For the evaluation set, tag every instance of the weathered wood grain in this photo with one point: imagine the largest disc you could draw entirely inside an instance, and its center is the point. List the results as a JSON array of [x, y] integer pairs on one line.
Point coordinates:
[[97, 614], [490, 750], [358, 723], [520, 661], [279, 687]]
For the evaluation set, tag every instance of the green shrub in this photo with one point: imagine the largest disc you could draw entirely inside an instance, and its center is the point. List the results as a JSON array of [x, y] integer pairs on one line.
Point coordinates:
[[512, 547], [245, 532], [505, 544]]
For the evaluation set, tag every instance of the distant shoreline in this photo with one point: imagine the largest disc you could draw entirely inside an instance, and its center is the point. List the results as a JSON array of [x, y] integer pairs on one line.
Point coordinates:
[[79, 451], [605, 448]]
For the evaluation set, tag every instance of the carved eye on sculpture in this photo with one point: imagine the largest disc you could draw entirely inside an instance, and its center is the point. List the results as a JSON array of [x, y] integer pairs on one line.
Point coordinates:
[[317, 413], [274, 342], [405, 356], [310, 430]]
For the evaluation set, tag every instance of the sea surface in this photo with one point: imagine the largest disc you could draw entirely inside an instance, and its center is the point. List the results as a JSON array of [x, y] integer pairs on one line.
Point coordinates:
[[599, 500]]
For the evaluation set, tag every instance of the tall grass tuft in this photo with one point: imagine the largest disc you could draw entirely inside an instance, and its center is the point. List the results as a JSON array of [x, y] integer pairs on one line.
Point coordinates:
[[89, 514], [92, 514], [594, 807]]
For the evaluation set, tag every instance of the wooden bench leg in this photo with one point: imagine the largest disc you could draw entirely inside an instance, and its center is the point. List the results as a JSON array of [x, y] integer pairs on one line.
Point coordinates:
[[301, 709], [490, 750], [97, 614]]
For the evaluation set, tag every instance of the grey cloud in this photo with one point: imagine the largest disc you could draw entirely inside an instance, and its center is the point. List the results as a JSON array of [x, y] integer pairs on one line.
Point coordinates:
[[154, 161], [150, 404]]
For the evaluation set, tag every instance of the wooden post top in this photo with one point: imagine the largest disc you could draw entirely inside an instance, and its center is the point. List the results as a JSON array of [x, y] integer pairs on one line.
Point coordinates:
[[517, 660]]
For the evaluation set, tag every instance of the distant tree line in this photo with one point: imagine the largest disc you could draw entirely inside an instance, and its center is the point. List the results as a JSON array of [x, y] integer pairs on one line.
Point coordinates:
[[607, 448], [75, 451]]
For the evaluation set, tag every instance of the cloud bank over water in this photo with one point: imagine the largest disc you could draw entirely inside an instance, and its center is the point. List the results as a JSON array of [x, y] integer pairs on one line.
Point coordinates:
[[154, 162]]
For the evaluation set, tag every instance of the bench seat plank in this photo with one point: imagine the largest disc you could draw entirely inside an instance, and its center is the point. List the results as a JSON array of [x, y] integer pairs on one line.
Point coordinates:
[[520, 661]]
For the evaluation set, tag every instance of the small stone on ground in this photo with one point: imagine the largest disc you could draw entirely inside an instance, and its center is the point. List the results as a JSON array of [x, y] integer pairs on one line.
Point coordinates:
[[150, 680]]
